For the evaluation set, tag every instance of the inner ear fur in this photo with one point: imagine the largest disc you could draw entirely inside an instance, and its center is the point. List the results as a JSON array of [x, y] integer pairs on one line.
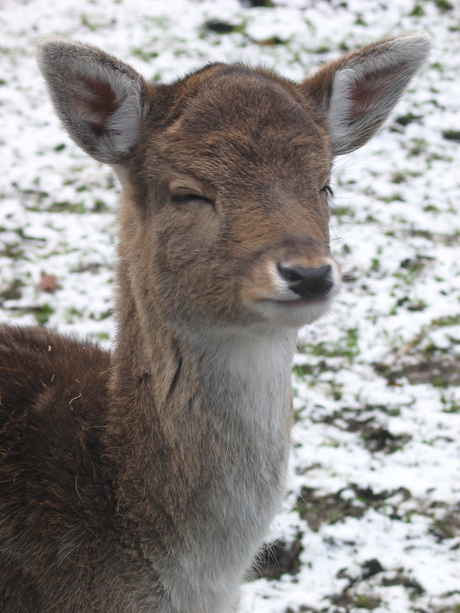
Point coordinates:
[[101, 101]]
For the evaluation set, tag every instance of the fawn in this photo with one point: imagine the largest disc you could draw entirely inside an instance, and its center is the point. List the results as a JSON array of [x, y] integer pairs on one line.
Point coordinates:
[[144, 480]]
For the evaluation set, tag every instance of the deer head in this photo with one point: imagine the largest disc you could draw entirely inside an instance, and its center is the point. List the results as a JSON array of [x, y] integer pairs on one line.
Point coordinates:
[[226, 173]]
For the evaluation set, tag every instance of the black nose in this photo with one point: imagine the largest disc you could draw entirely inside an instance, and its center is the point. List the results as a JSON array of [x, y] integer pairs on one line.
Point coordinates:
[[308, 283]]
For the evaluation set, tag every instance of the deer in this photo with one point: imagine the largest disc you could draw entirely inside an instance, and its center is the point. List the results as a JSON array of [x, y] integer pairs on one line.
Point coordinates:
[[144, 479]]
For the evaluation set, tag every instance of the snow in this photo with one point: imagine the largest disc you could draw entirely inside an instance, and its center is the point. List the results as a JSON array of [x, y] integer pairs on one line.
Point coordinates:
[[366, 423]]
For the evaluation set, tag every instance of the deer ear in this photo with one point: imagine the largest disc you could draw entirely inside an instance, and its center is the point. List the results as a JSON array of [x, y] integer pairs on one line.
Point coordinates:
[[101, 101], [359, 91]]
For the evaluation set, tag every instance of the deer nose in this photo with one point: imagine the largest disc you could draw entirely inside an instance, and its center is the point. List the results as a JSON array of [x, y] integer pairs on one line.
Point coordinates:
[[308, 283]]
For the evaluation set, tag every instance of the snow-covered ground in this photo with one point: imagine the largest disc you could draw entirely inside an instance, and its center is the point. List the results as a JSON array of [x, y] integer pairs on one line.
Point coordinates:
[[372, 519]]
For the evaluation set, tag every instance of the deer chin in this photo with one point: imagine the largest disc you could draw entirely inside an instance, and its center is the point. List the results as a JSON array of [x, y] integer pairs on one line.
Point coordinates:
[[292, 313]]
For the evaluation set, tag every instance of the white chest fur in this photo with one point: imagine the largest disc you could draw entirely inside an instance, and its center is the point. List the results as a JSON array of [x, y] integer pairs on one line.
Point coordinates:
[[249, 381]]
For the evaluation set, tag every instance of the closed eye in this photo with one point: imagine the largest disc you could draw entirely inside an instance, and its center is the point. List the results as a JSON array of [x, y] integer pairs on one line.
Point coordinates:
[[328, 190], [187, 190], [186, 197]]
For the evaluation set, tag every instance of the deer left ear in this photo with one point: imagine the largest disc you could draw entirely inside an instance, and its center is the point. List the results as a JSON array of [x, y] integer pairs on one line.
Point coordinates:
[[101, 101], [358, 91]]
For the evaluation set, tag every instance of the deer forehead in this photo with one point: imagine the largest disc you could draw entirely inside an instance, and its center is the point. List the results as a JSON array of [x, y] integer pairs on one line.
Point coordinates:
[[240, 122]]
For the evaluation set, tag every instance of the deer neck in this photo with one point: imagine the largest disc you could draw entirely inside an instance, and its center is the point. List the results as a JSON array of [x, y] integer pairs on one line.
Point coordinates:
[[199, 432], [205, 404]]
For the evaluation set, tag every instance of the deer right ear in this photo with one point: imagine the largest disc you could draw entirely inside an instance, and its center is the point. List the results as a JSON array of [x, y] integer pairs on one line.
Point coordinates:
[[101, 101], [358, 92]]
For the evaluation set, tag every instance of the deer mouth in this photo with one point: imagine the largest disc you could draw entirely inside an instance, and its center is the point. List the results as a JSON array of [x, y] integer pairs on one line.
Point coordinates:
[[293, 312], [295, 302]]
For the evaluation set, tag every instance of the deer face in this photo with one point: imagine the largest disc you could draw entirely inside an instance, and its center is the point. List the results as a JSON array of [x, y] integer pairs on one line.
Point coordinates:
[[226, 173], [237, 204]]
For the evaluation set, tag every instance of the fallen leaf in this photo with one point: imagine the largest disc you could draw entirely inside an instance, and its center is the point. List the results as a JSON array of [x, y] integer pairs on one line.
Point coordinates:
[[48, 283]]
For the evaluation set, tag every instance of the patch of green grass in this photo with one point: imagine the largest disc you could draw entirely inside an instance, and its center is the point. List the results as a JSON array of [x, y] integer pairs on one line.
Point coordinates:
[[405, 120], [375, 265], [444, 5], [418, 147], [103, 315], [144, 54], [447, 526], [13, 291], [102, 336], [396, 197], [431, 208], [343, 210], [223, 27], [452, 135], [161, 21], [438, 382], [92, 25], [417, 11], [72, 313], [322, 49], [419, 305], [367, 601], [360, 21], [345, 347], [156, 77], [399, 177], [65, 206], [414, 265], [302, 369], [13, 251], [451, 404], [381, 439], [100, 206], [259, 3], [87, 23], [43, 314], [447, 320], [311, 370]]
